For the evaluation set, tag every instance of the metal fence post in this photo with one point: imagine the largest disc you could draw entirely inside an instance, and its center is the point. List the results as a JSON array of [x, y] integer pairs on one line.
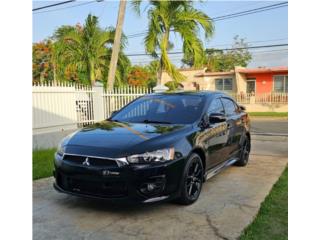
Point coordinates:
[[98, 107]]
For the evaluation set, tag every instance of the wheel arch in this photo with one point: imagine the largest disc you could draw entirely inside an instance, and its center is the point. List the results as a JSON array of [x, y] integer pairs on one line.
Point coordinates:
[[249, 137], [202, 155]]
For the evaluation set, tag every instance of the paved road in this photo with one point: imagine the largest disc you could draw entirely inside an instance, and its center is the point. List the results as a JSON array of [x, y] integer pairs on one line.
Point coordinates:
[[269, 125], [228, 203]]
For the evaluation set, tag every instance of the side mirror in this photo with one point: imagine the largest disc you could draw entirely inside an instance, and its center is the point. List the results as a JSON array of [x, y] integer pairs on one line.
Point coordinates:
[[242, 108], [217, 118]]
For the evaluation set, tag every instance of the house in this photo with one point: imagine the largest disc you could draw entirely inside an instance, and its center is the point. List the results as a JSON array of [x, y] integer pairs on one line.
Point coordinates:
[[263, 80], [192, 82], [255, 81]]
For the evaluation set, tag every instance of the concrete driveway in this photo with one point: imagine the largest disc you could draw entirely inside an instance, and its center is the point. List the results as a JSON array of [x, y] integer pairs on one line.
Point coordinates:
[[227, 204]]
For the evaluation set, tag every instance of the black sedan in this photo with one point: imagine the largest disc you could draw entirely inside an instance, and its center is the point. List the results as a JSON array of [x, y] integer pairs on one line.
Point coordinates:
[[161, 146]]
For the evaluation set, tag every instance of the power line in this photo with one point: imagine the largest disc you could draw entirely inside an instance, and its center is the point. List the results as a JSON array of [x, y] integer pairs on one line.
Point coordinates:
[[179, 58], [269, 51], [251, 11], [53, 5], [77, 5], [215, 50], [233, 15], [145, 61], [256, 41], [230, 44], [229, 10]]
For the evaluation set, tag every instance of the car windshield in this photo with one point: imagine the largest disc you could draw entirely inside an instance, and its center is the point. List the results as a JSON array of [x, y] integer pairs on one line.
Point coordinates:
[[165, 109]]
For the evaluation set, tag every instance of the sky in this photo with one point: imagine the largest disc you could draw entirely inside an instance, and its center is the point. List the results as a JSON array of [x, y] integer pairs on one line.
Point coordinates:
[[263, 28]]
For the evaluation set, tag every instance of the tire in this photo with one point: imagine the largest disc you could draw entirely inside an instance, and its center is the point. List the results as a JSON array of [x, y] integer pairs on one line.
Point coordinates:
[[192, 179], [244, 153]]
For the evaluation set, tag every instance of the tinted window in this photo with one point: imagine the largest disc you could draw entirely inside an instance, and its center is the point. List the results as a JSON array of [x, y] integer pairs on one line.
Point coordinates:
[[216, 107], [176, 109], [229, 106]]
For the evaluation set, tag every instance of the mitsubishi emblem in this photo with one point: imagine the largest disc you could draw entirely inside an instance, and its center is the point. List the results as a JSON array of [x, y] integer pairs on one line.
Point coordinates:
[[86, 162]]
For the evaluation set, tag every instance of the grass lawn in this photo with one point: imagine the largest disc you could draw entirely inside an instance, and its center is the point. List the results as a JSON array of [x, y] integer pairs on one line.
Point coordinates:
[[42, 163], [268, 114], [272, 219]]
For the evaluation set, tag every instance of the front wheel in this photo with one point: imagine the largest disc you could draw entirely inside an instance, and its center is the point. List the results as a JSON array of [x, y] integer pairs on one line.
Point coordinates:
[[244, 153], [192, 180]]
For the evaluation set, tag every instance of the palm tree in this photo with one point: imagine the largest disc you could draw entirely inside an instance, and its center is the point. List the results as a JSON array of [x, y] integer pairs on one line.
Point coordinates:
[[117, 44], [179, 17], [87, 49]]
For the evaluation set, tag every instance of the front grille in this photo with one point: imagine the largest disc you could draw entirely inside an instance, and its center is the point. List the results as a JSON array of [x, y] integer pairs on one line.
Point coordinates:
[[95, 162], [111, 189]]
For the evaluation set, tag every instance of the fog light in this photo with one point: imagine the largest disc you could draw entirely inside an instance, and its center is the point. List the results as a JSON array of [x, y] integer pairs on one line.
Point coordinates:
[[151, 187], [154, 186]]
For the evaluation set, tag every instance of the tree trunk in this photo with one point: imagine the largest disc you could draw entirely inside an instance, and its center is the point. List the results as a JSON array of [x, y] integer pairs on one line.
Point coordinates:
[[166, 40], [91, 73], [116, 44], [159, 72]]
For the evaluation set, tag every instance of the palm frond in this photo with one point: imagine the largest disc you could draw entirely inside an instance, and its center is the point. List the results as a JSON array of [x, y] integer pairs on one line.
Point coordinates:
[[136, 4], [198, 17]]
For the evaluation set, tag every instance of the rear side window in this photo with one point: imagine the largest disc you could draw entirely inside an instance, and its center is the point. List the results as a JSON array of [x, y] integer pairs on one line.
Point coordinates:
[[229, 106], [216, 106]]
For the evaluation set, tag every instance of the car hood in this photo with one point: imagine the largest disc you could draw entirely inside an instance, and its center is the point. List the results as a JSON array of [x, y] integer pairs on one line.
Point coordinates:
[[115, 139]]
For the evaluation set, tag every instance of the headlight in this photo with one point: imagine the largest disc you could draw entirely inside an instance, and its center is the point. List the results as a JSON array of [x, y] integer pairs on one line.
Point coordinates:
[[60, 149], [63, 142], [155, 156]]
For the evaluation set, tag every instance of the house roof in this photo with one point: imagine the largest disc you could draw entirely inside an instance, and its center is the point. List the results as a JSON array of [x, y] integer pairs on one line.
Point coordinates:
[[246, 71], [190, 69], [263, 70], [214, 74]]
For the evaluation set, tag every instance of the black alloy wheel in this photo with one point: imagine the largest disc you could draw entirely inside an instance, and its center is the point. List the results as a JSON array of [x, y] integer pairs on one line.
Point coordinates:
[[192, 180], [244, 153]]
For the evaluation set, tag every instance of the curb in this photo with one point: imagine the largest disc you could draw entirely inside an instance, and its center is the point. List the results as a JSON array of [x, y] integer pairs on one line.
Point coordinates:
[[269, 134]]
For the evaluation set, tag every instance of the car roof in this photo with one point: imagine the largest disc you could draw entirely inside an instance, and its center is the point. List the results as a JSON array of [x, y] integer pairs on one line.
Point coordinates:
[[194, 93]]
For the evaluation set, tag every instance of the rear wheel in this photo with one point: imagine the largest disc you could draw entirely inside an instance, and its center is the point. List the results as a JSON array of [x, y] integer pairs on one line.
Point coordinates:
[[244, 153], [192, 180]]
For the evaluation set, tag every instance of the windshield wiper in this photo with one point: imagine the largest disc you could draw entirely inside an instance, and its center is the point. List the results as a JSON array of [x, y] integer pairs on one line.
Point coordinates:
[[154, 121]]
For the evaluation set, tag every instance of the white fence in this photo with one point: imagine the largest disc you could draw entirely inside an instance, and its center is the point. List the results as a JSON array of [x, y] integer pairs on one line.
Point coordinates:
[[64, 107], [265, 98], [116, 99], [67, 106]]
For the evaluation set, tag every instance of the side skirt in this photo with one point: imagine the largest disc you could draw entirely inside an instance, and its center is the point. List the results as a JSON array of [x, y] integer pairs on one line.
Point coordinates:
[[214, 171]]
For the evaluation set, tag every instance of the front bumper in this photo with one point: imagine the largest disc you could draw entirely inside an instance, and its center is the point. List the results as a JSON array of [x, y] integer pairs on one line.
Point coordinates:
[[132, 183]]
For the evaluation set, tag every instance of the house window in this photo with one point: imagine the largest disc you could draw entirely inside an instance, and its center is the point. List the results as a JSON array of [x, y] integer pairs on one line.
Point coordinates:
[[280, 83], [224, 84], [251, 85]]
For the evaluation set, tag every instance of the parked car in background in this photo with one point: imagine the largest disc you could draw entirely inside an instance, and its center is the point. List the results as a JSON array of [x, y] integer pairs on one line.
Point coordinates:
[[161, 146]]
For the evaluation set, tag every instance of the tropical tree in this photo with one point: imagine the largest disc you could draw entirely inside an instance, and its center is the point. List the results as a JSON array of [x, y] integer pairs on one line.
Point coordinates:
[[220, 61], [153, 68], [42, 62], [179, 17], [117, 44], [138, 76], [86, 50]]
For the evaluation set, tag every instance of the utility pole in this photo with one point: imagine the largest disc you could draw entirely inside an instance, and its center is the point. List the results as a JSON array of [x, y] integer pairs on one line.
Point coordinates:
[[116, 44]]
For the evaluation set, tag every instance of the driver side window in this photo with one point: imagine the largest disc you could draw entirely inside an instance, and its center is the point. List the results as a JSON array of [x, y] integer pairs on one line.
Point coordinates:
[[229, 106], [216, 106]]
